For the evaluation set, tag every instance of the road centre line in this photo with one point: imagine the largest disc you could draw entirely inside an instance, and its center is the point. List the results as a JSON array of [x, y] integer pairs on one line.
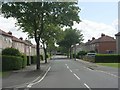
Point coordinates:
[[87, 86], [76, 76], [31, 84], [79, 77], [70, 70]]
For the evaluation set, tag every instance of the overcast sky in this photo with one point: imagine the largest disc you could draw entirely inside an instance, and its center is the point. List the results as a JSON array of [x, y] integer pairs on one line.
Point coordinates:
[[97, 18]]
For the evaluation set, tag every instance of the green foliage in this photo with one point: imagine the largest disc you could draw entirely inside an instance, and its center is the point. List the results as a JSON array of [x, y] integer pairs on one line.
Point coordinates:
[[89, 59], [107, 58], [80, 54], [11, 63], [34, 58], [92, 51], [32, 17], [41, 57], [11, 51], [24, 63], [71, 37], [74, 55]]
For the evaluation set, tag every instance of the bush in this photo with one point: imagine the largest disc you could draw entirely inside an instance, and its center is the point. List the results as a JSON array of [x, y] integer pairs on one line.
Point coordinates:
[[41, 57], [74, 55], [107, 58], [11, 51], [89, 59], [24, 62], [11, 63], [33, 59], [80, 54]]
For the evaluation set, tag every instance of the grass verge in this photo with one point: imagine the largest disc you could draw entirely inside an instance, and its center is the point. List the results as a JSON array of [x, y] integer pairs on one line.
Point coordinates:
[[3, 74], [115, 65]]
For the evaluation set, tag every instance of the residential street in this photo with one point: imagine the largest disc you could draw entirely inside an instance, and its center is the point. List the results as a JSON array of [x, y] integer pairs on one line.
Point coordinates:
[[66, 73]]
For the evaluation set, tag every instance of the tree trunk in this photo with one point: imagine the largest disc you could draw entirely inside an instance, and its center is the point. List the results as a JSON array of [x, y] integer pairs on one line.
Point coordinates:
[[70, 53], [45, 52], [50, 54], [38, 57]]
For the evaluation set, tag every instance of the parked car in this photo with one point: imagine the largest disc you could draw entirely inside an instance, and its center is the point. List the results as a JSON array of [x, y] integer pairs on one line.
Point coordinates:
[[91, 54]]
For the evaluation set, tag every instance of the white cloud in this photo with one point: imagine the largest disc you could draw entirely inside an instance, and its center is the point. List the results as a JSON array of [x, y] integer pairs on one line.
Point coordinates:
[[9, 25], [94, 29], [89, 28]]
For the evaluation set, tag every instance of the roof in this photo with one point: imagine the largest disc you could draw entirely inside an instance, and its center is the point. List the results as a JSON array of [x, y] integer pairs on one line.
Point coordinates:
[[105, 39], [5, 34], [93, 41], [118, 34], [17, 40], [12, 37]]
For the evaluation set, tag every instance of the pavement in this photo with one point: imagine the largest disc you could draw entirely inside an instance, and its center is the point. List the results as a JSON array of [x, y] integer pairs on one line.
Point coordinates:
[[61, 72], [20, 78]]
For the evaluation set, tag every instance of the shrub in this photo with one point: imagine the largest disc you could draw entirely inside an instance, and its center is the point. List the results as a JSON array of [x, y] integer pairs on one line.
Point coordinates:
[[89, 59], [74, 55], [107, 58], [11, 51], [33, 59], [80, 54], [41, 57], [24, 62], [11, 63]]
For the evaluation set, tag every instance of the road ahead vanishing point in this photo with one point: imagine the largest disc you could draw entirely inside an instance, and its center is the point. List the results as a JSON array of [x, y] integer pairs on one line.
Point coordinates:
[[66, 73]]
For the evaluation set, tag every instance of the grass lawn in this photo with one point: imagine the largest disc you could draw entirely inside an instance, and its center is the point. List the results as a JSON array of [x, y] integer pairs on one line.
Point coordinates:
[[2, 74], [115, 65]]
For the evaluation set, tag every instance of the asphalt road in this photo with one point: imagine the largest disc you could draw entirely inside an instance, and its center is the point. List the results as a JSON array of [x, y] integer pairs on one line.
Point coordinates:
[[66, 73]]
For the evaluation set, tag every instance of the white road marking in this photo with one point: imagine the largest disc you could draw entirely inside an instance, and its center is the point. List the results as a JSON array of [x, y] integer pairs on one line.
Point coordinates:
[[67, 67], [103, 72], [87, 86], [76, 76], [70, 70], [88, 69], [108, 73], [31, 84]]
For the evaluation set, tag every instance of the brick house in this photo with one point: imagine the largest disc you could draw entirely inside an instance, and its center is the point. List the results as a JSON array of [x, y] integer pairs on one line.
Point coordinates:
[[118, 43], [104, 44]]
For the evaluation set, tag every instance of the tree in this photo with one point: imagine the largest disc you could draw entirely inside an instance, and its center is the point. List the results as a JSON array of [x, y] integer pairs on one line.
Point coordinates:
[[80, 54], [50, 35], [32, 16], [71, 37]]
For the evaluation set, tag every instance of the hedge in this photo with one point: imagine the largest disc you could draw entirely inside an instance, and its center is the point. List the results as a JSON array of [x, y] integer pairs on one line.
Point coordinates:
[[24, 62], [11, 52], [34, 58], [107, 58], [89, 59], [11, 63]]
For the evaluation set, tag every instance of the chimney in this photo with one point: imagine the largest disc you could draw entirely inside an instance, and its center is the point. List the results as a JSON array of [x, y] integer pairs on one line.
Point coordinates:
[[10, 33], [21, 38], [88, 40], [102, 35], [93, 38]]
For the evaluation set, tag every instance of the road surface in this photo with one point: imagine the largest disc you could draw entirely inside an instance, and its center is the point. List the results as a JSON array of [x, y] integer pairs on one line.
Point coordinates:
[[66, 73]]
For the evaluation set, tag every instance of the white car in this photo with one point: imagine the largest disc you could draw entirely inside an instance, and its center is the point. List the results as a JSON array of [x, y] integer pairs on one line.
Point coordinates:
[[91, 54]]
